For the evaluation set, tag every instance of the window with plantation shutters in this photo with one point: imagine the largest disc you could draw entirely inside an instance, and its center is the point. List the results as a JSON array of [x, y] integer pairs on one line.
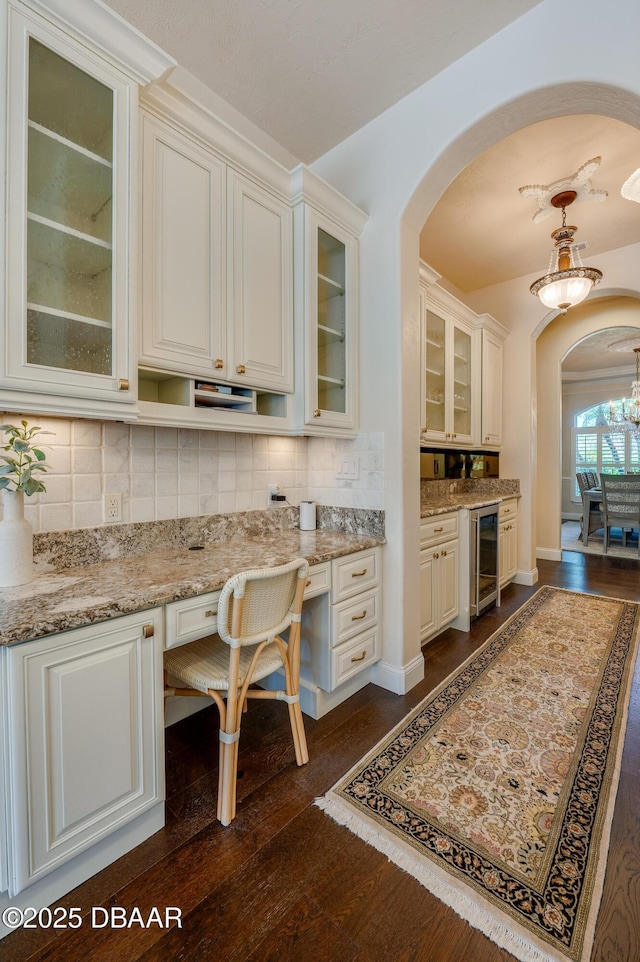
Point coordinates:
[[597, 448]]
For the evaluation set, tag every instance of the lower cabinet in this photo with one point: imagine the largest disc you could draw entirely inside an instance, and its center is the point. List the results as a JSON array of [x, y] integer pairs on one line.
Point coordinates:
[[83, 746], [439, 574], [507, 540]]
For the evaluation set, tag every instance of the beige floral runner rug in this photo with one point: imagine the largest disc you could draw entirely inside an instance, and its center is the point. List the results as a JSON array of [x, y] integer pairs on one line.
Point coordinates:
[[497, 791]]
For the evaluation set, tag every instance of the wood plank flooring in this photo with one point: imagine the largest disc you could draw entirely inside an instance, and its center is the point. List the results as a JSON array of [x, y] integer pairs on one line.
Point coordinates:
[[284, 883]]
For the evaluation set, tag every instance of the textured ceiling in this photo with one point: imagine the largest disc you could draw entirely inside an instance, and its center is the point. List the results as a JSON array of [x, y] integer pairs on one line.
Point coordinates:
[[311, 73], [593, 354], [481, 231]]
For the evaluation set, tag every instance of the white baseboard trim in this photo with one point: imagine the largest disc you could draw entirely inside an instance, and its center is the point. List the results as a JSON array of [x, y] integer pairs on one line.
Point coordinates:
[[398, 679], [549, 554], [527, 577]]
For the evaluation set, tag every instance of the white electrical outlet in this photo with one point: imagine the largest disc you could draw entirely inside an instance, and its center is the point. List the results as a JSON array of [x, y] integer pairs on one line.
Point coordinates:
[[113, 507], [271, 490]]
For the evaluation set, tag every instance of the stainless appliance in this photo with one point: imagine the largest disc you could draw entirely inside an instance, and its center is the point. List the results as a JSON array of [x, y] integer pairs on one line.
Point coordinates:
[[483, 550]]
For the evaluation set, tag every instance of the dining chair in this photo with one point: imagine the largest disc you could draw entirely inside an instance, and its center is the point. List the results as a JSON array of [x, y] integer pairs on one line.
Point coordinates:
[[595, 520], [621, 505], [254, 608]]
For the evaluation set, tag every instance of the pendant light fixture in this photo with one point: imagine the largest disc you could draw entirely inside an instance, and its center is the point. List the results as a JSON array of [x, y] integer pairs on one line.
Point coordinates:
[[567, 282]]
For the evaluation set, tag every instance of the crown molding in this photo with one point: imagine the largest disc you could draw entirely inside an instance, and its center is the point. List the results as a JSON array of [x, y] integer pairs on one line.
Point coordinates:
[[308, 187], [107, 32], [600, 374]]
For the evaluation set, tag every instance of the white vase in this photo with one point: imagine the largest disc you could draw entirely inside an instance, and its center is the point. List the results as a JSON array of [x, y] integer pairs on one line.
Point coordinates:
[[16, 542]]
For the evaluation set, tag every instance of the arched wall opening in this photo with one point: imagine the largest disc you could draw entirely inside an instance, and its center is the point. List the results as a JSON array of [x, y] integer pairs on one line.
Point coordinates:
[[558, 337]]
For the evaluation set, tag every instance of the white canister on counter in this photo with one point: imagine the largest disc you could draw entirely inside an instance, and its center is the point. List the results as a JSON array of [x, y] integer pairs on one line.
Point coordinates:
[[307, 515]]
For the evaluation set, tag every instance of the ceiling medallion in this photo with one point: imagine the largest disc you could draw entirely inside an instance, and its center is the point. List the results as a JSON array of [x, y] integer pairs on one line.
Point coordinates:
[[579, 183]]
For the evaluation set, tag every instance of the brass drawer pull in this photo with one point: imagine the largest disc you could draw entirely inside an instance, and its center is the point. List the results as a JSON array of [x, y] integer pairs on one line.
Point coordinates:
[[211, 613], [436, 530], [359, 574], [147, 631], [359, 617], [360, 657], [307, 582]]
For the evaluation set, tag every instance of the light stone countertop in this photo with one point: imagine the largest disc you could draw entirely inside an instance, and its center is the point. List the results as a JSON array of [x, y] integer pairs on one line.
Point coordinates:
[[457, 502], [70, 598]]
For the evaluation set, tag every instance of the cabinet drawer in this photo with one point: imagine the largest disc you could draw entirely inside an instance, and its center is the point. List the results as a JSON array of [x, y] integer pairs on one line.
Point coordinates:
[[440, 528], [318, 580], [353, 656], [354, 616], [507, 509], [191, 618], [354, 573]]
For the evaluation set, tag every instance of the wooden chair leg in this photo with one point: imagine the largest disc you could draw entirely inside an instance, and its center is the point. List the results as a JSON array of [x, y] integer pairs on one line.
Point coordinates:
[[299, 734]]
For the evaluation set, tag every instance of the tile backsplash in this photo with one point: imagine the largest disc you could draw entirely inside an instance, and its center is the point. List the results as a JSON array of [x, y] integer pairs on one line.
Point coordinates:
[[165, 473]]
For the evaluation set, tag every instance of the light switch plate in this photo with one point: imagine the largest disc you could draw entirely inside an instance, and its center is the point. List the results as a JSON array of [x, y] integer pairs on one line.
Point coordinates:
[[348, 469]]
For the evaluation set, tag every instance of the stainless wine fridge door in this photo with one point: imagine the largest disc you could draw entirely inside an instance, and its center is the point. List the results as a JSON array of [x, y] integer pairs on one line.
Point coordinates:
[[484, 558]]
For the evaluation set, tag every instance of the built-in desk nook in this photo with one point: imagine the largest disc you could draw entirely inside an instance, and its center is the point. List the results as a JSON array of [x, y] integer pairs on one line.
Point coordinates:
[[81, 675]]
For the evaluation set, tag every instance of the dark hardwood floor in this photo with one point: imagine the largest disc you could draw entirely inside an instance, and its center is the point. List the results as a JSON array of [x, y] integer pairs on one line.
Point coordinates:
[[284, 882]]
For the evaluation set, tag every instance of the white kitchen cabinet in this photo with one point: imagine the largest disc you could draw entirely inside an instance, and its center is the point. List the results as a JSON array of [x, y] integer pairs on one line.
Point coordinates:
[[508, 541], [70, 132], [85, 740], [448, 374], [461, 364], [439, 574], [492, 350], [260, 244], [183, 253], [326, 304]]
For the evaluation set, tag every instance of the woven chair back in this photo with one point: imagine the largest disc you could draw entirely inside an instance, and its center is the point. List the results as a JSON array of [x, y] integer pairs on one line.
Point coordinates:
[[267, 596], [621, 499]]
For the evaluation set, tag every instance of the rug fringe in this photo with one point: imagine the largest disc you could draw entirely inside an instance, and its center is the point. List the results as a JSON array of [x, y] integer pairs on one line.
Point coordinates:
[[467, 908]]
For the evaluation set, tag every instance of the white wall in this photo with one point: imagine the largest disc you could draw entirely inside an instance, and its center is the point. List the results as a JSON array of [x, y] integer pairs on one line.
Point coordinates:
[[395, 168], [173, 473]]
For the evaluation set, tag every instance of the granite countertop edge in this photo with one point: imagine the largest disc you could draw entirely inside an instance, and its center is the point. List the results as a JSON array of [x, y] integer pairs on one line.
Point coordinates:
[[87, 594], [430, 509]]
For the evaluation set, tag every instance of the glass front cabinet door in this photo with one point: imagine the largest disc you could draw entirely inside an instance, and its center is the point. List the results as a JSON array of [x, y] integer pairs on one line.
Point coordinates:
[[447, 379], [68, 213], [328, 297]]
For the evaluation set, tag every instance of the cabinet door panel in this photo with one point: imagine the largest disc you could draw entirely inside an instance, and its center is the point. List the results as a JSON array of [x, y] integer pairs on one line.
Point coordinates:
[[491, 389], [85, 723], [261, 293], [68, 212], [449, 581], [183, 253], [427, 592]]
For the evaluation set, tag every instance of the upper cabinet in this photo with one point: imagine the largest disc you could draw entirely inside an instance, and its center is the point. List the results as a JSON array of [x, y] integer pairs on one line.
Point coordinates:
[[461, 363], [71, 117], [260, 249], [327, 315], [183, 253]]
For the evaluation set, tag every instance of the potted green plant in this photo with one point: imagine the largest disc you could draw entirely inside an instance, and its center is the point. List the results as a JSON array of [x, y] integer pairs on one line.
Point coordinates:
[[21, 467]]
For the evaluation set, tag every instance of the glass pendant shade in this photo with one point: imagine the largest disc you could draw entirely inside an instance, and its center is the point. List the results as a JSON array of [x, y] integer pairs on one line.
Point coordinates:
[[565, 292]]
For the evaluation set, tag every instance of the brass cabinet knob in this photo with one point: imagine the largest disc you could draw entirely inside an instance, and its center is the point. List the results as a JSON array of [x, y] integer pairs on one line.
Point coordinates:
[[444, 554], [219, 363], [436, 555], [148, 631], [317, 413], [123, 384], [241, 369]]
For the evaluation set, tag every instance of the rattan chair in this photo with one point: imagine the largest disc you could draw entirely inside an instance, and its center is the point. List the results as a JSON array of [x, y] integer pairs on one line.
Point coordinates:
[[254, 608], [621, 505]]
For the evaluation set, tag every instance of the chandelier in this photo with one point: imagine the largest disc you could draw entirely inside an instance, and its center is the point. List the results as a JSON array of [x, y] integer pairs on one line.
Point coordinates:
[[567, 282], [628, 419]]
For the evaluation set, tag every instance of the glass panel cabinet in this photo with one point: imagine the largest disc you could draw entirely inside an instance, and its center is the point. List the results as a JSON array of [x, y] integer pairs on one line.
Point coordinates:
[[326, 294], [69, 200], [447, 371]]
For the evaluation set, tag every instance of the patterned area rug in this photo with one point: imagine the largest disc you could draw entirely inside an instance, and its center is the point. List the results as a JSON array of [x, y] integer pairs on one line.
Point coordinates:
[[497, 792], [571, 535]]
